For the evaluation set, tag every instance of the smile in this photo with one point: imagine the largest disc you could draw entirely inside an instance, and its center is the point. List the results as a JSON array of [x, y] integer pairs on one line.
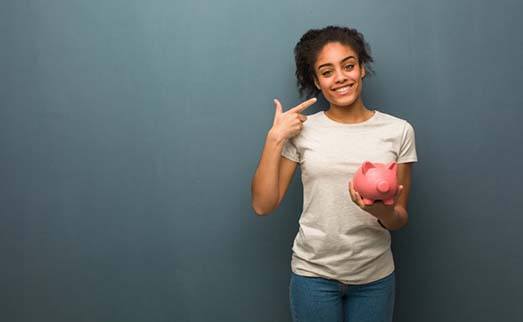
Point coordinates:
[[344, 89]]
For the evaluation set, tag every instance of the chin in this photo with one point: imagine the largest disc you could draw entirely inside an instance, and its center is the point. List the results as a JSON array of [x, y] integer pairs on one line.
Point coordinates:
[[342, 102]]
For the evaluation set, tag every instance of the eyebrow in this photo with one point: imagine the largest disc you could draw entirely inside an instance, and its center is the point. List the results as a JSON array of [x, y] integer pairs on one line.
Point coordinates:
[[344, 59]]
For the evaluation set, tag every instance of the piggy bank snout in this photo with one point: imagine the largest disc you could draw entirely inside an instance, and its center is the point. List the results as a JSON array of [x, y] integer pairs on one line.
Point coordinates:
[[376, 181], [383, 186]]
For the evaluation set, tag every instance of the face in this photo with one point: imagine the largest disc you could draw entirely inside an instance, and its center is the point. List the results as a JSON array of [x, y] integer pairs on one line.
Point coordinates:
[[338, 74]]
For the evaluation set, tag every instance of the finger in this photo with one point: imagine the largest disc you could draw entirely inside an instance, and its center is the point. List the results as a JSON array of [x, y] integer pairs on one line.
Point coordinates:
[[278, 110], [302, 118], [359, 200], [398, 193], [277, 106], [351, 192], [355, 195], [301, 107]]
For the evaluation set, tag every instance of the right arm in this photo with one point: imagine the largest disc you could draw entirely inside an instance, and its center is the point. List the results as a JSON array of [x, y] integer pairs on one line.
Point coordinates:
[[274, 172], [272, 177]]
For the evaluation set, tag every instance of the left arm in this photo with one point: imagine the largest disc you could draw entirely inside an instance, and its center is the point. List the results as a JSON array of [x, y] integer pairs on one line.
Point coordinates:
[[396, 216]]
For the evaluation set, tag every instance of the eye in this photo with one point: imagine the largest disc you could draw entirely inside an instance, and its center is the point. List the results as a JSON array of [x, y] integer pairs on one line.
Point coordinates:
[[349, 67], [326, 73]]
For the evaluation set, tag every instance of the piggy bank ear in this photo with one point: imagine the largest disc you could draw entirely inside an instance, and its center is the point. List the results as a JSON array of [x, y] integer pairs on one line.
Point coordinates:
[[392, 166], [367, 165]]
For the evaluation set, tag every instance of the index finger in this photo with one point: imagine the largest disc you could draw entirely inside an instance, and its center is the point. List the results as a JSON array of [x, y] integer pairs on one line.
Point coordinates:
[[398, 192], [301, 107]]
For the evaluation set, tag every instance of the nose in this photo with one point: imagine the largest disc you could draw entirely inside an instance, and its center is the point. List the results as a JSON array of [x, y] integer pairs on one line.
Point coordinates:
[[339, 77]]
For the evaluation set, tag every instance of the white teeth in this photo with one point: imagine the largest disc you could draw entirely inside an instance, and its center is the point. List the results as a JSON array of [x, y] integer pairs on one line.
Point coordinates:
[[343, 89]]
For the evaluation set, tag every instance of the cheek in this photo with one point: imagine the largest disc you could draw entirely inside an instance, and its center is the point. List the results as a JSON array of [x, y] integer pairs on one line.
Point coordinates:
[[325, 90], [359, 74], [324, 84]]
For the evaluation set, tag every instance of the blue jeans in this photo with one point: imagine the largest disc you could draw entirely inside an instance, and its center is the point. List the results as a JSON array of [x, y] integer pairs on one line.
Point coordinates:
[[316, 299]]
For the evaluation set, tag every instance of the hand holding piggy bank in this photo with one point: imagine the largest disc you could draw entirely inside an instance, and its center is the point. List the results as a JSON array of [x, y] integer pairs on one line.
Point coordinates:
[[376, 181]]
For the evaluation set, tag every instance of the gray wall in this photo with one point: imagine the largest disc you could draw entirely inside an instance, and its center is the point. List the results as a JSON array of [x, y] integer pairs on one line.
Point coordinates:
[[129, 132]]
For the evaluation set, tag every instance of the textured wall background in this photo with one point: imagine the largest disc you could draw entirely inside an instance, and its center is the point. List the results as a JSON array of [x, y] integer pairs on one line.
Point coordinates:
[[129, 132]]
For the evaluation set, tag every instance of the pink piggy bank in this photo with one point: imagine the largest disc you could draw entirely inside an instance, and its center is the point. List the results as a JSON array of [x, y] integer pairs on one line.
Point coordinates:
[[376, 181]]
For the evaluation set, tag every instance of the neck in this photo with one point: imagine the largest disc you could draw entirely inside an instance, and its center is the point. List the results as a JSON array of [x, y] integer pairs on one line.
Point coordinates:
[[354, 113]]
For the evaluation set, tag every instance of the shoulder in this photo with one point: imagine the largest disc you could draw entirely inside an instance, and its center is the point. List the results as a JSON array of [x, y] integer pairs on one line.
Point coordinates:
[[315, 116], [312, 127], [395, 121], [313, 119], [386, 117]]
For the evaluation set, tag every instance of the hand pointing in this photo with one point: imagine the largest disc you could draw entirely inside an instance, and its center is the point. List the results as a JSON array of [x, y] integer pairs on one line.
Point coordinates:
[[290, 123]]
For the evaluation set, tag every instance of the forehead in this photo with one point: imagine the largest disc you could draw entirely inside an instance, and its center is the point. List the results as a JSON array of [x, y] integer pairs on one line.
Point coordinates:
[[333, 53]]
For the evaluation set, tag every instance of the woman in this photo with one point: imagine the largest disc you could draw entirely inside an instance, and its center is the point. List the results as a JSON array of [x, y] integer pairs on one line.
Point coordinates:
[[342, 264]]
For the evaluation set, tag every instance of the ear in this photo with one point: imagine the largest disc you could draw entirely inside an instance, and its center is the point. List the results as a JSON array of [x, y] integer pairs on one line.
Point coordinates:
[[367, 165], [363, 71], [392, 166], [316, 82]]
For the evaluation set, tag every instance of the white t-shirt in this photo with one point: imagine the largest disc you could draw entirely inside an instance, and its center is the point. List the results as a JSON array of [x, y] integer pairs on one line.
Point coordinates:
[[337, 239]]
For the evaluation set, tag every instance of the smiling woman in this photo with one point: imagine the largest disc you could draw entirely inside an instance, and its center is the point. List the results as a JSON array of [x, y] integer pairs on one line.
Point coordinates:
[[341, 242], [338, 74]]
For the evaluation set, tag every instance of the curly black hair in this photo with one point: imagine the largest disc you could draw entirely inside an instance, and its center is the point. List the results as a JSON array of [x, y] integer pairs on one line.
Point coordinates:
[[308, 48]]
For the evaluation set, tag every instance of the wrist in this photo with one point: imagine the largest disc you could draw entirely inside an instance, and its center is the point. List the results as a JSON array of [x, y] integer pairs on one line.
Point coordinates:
[[274, 137], [394, 221], [384, 213]]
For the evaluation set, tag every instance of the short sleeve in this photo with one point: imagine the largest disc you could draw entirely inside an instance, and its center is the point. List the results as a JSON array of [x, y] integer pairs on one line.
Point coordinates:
[[407, 152], [290, 151]]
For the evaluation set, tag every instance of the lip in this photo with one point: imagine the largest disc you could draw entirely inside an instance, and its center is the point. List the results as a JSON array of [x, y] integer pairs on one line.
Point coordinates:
[[350, 85], [349, 89]]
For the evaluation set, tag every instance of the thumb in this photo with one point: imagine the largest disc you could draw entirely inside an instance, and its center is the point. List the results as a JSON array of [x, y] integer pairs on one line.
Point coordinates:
[[277, 108], [400, 188]]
